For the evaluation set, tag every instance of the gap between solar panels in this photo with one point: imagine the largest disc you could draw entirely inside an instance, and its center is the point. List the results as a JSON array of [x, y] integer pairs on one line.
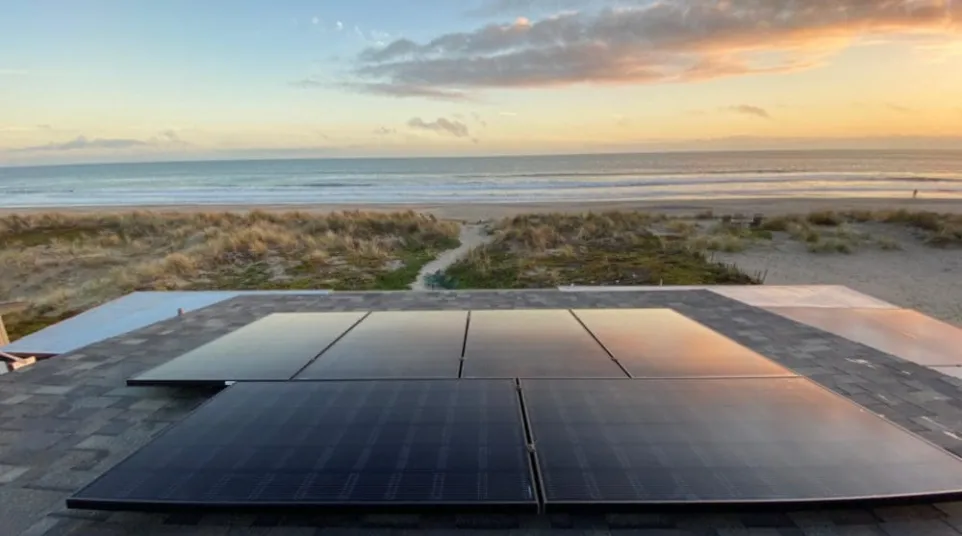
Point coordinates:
[[560, 445]]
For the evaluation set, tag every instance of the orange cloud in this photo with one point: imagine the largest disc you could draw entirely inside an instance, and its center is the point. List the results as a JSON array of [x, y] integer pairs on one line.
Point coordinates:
[[668, 41]]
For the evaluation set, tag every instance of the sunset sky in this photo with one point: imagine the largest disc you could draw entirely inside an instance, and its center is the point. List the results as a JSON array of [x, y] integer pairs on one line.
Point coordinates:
[[104, 80]]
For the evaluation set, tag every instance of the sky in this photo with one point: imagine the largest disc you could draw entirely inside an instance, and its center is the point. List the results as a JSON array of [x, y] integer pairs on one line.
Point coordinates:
[[109, 80]]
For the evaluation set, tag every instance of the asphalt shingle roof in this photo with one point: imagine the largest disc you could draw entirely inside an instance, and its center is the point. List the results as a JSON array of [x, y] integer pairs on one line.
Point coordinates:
[[66, 420]]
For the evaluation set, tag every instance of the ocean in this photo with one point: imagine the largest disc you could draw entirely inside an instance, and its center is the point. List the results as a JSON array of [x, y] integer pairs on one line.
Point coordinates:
[[526, 179]]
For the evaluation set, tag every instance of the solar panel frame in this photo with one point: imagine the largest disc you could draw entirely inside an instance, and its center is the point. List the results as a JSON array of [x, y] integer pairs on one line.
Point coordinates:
[[381, 348], [256, 351], [553, 502], [665, 344], [499, 344], [165, 444]]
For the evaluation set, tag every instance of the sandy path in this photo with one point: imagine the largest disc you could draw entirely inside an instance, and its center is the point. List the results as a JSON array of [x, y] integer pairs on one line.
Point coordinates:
[[471, 237], [917, 276]]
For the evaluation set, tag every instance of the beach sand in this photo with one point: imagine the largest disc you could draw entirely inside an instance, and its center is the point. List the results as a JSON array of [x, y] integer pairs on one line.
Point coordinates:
[[478, 211], [916, 276]]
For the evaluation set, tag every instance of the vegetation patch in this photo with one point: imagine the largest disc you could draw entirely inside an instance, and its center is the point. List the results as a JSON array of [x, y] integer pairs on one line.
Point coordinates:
[[65, 263], [614, 248]]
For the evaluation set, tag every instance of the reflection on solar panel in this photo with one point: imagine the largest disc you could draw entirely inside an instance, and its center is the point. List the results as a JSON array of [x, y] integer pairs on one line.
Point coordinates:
[[900, 332], [423, 344], [272, 348], [310, 444], [533, 344], [660, 343], [736, 440]]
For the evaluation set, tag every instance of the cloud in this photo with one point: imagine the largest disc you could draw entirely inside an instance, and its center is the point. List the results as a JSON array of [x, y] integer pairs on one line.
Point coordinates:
[[652, 42], [315, 21], [339, 25], [404, 90], [28, 128], [385, 131], [441, 126], [308, 83], [164, 138], [83, 142], [746, 109], [508, 114], [899, 108], [167, 136], [478, 119]]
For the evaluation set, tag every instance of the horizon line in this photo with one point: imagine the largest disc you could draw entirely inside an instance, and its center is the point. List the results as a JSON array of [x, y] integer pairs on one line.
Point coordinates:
[[491, 156]]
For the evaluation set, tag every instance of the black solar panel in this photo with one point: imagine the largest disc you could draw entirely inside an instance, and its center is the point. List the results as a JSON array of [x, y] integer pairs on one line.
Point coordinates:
[[533, 344], [314, 444], [408, 344], [272, 348], [661, 343], [706, 441]]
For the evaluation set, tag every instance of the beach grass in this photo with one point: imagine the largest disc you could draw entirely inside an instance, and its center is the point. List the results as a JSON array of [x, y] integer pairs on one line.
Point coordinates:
[[612, 248], [839, 231], [64, 263]]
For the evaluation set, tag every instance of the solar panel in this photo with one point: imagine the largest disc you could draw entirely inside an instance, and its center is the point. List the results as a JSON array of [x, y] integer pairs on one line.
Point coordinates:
[[533, 344], [272, 348], [316, 444], [721, 441], [411, 344], [900, 332], [661, 343]]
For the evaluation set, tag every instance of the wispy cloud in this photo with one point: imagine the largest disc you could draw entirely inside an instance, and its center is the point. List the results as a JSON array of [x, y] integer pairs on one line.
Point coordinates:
[[81, 143], [621, 120], [441, 126], [308, 83], [651, 42], [899, 108], [385, 131], [747, 109], [26, 128], [409, 90], [479, 120]]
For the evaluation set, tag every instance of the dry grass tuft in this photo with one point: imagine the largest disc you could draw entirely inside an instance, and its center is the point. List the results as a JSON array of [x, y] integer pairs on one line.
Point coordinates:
[[64, 263], [826, 218], [831, 245]]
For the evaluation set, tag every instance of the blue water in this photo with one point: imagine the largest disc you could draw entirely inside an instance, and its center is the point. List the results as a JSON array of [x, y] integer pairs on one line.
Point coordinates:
[[625, 177]]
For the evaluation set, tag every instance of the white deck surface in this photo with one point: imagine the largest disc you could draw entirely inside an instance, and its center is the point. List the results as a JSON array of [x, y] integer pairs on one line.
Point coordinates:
[[125, 314], [834, 296]]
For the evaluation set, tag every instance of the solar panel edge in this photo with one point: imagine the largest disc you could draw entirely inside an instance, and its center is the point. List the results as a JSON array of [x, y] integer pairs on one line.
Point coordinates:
[[74, 496], [83, 499], [597, 328], [937, 491], [150, 377]]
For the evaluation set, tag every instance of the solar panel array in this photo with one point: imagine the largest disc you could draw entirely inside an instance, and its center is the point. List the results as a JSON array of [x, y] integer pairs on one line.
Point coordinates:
[[525, 409]]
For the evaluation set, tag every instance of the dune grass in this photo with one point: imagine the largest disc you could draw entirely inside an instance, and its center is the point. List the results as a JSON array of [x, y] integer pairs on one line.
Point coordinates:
[[65, 263], [613, 248]]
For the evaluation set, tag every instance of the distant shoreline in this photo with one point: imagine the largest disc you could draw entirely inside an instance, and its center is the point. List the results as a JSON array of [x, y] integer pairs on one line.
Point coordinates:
[[488, 211]]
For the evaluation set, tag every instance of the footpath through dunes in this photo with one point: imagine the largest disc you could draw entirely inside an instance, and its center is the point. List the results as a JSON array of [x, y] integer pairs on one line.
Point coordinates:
[[472, 236]]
